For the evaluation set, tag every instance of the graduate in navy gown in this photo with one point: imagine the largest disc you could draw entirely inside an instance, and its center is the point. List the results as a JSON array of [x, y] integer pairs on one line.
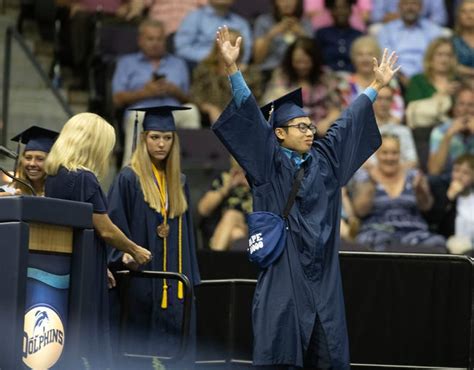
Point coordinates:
[[79, 156], [30, 166], [149, 201], [298, 308]]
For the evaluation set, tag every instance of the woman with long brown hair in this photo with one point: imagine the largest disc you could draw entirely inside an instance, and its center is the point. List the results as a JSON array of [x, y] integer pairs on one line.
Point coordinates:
[[149, 201]]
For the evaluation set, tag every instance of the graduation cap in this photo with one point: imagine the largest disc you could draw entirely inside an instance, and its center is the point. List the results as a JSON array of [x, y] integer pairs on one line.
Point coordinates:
[[36, 138], [158, 118], [284, 109]]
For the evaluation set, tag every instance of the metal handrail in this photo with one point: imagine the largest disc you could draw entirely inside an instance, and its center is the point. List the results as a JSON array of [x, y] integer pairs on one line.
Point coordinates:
[[187, 305], [12, 33]]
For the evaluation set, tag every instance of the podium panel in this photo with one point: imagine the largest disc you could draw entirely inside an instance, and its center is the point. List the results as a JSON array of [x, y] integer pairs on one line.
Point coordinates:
[[44, 244]]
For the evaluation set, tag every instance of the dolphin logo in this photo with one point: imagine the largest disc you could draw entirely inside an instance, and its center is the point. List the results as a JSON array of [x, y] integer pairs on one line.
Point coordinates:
[[40, 317]]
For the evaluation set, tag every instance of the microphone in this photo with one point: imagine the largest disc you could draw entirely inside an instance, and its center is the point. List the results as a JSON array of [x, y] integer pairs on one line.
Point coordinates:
[[19, 180], [8, 153]]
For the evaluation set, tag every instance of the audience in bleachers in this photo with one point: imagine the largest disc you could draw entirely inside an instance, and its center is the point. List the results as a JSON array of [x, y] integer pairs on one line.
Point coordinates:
[[321, 46], [83, 18], [274, 32], [463, 40], [455, 136], [388, 10], [195, 36], [321, 17], [302, 67], [223, 208], [170, 12], [363, 50], [210, 88], [459, 218], [429, 94], [409, 35], [335, 41], [151, 77], [391, 125], [390, 198]]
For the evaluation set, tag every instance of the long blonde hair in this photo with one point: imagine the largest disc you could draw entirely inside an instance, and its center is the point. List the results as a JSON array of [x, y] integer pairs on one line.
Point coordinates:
[[85, 142], [141, 164]]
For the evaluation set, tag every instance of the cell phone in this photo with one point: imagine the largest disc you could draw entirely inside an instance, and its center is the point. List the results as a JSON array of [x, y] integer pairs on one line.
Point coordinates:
[[158, 76]]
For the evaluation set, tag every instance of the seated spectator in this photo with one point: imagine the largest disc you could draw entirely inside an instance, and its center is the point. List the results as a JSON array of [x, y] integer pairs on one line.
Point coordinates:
[[171, 12], [429, 94], [409, 35], [302, 67], [273, 33], [321, 17], [349, 222], [83, 15], [151, 77], [335, 41], [390, 125], [388, 10], [463, 40], [195, 36], [389, 198], [363, 51], [210, 85], [223, 209], [453, 137], [460, 204]]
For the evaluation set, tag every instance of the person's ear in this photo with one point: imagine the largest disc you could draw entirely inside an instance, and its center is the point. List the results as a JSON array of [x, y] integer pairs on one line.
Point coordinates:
[[280, 133]]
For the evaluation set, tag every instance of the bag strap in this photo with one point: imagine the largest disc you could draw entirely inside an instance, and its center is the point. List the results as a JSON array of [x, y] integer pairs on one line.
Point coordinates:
[[294, 190]]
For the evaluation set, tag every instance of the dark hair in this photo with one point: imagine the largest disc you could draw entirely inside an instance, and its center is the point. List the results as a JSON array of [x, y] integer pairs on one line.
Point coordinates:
[[329, 4], [309, 46], [298, 12]]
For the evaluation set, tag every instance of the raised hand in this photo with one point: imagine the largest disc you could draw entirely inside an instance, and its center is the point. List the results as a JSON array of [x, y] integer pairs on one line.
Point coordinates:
[[229, 52], [386, 70]]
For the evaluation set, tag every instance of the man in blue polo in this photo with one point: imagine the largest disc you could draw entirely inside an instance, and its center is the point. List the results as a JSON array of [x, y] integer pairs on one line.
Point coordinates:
[[298, 307]]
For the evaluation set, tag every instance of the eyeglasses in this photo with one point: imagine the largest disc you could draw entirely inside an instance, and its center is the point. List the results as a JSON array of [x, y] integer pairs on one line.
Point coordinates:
[[303, 127]]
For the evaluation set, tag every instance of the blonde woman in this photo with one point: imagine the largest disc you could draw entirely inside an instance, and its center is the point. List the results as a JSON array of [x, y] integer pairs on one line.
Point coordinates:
[[38, 142], [351, 85], [78, 158], [439, 72], [149, 202]]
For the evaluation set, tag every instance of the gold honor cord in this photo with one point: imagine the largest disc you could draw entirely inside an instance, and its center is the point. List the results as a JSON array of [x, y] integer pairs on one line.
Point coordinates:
[[180, 256], [163, 231]]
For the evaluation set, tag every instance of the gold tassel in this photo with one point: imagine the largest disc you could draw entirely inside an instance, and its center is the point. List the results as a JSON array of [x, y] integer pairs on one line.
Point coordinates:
[[180, 256], [180, 290], [164, 298]]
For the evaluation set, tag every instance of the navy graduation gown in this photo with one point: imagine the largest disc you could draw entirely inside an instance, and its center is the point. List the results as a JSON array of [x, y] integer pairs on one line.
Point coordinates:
[[304, 284], [83, 186], [151, 329]]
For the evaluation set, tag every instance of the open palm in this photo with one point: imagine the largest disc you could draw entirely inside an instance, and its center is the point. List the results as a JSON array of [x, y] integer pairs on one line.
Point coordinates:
[[386, 70], [229, 52]]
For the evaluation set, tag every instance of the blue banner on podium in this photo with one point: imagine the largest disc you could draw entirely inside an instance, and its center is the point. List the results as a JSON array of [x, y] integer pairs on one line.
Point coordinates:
[[47, 291]]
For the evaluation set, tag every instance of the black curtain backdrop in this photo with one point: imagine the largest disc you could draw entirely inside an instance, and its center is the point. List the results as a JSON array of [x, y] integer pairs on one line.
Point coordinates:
[[402, 309]]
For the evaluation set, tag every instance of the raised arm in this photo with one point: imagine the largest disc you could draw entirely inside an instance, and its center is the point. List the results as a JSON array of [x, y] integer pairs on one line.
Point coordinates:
[[229, 52], [384, 71]]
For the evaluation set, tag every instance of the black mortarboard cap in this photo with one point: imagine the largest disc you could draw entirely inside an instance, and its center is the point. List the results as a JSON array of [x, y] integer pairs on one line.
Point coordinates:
[[36, 138], [158, 118], [285, 108]]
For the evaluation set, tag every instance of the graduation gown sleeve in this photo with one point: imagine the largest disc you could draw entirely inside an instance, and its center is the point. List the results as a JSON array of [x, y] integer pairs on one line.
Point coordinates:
[[249, 138], [351, 140], [121, 199]]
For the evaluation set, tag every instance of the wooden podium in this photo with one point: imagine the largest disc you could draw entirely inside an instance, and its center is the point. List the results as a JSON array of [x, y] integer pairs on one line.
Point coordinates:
[[51, 229]]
